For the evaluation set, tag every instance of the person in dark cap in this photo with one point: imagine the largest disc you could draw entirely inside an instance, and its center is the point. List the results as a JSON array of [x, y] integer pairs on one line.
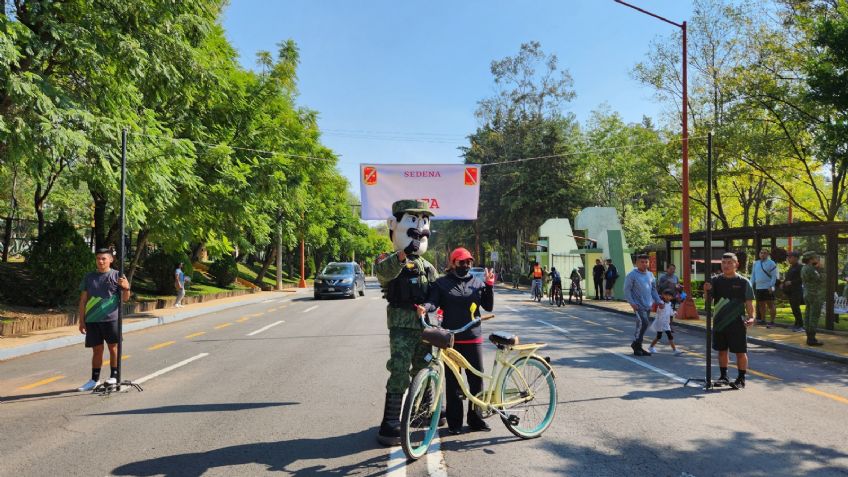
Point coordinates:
[[405, 278], [814, 279], [793, 290]]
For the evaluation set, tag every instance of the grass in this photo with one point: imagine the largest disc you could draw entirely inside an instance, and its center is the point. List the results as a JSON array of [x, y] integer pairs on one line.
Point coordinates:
[[249, 273], [784, 315]]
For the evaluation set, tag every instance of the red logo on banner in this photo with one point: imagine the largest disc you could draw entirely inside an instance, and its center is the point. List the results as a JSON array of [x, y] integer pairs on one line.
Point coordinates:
[[369, 175], [470, 176]]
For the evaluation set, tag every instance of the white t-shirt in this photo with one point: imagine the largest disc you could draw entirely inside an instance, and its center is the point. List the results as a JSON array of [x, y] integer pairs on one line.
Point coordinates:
[[663, 319]]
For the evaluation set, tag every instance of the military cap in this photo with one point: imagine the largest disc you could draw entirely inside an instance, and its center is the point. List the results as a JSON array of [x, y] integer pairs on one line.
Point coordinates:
[[810, 254], [411, 206]]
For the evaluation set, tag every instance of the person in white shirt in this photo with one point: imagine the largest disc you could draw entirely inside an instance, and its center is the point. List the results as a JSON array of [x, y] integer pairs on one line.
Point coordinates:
[[662, 323]]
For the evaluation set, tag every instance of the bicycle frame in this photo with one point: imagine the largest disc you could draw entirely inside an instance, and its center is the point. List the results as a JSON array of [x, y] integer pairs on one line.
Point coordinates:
[[491, 395]]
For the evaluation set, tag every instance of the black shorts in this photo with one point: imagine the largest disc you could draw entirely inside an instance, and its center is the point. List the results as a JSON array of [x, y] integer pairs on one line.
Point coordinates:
[[764, 295], [667, 333], [98, 332], [608, 284], [733, 338]]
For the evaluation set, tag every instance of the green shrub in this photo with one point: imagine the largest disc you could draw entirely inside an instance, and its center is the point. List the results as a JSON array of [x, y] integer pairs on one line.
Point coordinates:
[[160, 267], [224, 270], [58, 261]]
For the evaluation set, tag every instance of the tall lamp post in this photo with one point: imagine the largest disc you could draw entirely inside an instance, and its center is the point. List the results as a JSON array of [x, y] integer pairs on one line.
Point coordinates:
[[689, 310]]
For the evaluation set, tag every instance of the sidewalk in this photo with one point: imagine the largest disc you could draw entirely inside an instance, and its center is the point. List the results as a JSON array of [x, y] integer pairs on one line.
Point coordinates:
[[13, 347], [835, 343]]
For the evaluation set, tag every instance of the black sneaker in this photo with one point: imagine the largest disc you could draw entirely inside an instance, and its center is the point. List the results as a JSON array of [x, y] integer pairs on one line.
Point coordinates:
[[814, 342], [455, 431], [722, 381], [738, 384]]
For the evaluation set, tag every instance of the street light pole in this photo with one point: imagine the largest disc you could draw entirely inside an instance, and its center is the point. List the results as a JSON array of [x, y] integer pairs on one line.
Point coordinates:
[[688, 310]]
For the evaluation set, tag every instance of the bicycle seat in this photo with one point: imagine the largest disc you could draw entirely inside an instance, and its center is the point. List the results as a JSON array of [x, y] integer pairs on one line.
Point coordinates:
[[505, 339]]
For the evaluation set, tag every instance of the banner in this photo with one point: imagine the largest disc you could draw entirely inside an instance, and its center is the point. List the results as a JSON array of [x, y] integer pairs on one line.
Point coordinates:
[[452, 190]]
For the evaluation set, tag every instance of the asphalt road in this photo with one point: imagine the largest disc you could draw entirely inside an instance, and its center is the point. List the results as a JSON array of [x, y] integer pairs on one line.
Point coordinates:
[[295, 386]]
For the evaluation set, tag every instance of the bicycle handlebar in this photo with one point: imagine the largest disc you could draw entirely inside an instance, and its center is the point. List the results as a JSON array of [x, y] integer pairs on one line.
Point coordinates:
[[468, 326]]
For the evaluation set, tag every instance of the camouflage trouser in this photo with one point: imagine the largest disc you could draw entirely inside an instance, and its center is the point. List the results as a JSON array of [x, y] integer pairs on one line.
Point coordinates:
[[407, 351], [812, 314]]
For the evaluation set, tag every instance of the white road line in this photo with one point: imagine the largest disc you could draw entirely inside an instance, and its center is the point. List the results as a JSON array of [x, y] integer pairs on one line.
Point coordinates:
[[561, 330], [396, 465], [170, 368], [511, 309], [260, 330], [310, 309], [652, 368], [436, 459]]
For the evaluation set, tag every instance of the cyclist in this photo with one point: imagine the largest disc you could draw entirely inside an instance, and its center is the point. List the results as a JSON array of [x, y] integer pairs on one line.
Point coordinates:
[[575, 289], [556, 283], [536, 274]]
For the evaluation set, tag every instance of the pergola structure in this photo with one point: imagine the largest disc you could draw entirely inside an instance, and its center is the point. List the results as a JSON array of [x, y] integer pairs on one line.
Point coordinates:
[[835, 233]]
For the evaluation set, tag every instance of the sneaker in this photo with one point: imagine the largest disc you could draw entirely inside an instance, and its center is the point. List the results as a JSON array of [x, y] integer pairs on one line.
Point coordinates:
[[652, 350], [178, 305], [738, 384], [800, 329], [677, 352], [645, 352], [111, 382], [88, 386], [455, 431], [722, 381], [770, 325]]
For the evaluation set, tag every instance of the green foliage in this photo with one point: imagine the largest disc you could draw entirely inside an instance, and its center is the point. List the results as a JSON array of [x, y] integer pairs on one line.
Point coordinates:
[[160, 266], [224, 270], [59, 259]]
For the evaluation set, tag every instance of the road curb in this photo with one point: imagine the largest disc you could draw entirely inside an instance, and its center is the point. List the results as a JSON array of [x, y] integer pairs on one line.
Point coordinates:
[[769, 344], [17, 352]]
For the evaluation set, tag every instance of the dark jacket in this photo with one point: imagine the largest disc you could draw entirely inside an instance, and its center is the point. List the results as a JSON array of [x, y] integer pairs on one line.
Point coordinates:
[[454, 295], [793, 275], [598, 272]]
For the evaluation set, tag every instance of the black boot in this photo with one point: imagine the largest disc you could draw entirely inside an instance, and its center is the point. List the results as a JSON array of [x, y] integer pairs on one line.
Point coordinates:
[[475, 422], [389, 434], [812, 341]]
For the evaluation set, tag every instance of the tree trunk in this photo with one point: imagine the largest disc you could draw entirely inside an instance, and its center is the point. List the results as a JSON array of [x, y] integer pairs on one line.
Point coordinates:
[[38, 202], [196, 249], [266, 263], [99, 219], [140, 248]]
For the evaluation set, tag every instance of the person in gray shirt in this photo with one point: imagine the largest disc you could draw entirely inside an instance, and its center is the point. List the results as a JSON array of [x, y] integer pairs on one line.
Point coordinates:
[[640, 291]]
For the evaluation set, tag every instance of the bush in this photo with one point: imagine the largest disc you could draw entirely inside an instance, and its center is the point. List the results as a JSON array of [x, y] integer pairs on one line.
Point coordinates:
[[697, 289], [58, 261], [160, 267], [224, 270]]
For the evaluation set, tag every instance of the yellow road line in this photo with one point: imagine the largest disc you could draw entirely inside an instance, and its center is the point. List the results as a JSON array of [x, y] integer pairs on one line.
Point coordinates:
[[195, 335], [827, 395], [255, 315], [223, 325], [614, 329], [243, 319], [124, 357], [731, 365], [41, 383], [160, 345]]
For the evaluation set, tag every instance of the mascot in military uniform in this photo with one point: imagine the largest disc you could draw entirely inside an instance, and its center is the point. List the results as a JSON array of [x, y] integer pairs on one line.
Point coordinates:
[[405, 278]]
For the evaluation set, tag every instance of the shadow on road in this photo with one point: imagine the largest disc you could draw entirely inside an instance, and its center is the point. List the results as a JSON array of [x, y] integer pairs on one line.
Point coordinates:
[[186, 408], [276, 456], [37, 397]]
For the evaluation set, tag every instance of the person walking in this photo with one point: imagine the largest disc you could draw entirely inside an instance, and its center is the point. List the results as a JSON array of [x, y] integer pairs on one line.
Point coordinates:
[[662, 323], [610, 277], [640, 291], [814, 280], [764, 277], [732, 296], [101, 293], [598, 278], [179, 284], [461, 296], [792, 287]]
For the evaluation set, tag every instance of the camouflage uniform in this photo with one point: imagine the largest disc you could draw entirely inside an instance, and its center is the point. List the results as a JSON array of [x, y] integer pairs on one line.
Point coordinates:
[[814, 281], [407, 351]]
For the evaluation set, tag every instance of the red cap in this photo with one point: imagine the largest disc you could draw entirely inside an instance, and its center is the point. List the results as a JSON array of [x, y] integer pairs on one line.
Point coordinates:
[[460, 254]]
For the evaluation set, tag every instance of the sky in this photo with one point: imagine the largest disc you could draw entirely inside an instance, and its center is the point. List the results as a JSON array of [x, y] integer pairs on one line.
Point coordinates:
[[399, 81]]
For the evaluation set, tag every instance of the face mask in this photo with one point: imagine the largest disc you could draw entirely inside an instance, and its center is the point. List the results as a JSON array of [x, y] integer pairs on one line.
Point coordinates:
[[461, 270]]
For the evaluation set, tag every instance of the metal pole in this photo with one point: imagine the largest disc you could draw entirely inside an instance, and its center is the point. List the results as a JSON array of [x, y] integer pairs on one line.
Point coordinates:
[[280, 257], [708, 258], [122, 248], [302, 282], [687, 283]]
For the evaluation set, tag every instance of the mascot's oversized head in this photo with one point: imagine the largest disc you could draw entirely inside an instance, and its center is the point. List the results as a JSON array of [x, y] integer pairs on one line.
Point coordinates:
[[409, 227]]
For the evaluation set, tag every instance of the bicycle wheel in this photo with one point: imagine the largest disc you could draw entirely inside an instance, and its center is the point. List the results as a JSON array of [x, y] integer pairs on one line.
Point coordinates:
[[418, 425], [559, 299], [533, 380]]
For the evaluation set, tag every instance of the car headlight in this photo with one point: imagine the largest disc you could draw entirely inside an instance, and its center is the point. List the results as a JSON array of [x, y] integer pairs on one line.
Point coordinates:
[[346, 281], [318, 281]]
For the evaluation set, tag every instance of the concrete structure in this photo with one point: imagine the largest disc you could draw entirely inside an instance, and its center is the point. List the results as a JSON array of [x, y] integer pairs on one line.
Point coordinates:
[[602, 225]]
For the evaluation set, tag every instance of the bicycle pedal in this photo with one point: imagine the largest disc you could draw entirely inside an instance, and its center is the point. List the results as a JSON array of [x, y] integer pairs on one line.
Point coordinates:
[[513, 419], [548, 359]]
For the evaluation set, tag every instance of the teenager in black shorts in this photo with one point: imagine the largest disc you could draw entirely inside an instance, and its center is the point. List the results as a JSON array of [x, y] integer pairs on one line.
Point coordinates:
[[732, 297], [98, 314]]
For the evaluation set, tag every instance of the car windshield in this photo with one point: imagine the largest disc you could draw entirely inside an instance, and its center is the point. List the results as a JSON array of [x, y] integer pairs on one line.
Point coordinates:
[[338, 269]]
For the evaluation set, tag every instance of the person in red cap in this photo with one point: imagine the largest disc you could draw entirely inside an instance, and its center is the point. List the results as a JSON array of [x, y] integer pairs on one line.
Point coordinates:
[[454, 293]]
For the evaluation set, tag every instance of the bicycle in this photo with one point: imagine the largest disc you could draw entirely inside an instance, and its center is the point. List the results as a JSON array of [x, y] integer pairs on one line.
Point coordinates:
[[556, 295], [576, 291], [522, 389], [537, 290]]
